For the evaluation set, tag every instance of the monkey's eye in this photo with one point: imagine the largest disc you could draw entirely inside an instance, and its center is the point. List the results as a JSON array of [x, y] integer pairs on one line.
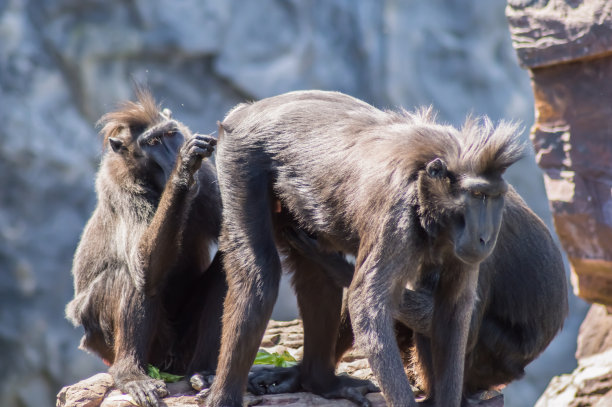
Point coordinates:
[[479, 195], [170, 133], [153, 141]]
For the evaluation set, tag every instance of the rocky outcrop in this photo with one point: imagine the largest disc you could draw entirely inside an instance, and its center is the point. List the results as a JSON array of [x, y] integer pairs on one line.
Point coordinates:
[[98, 391], [590, 384], [566, 45]]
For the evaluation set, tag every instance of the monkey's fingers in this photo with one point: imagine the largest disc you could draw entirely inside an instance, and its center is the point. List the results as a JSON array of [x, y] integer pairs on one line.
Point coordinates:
[[205, 140], [202, 395], [196, 152], [147, 393], [207, 137], [201, 381]]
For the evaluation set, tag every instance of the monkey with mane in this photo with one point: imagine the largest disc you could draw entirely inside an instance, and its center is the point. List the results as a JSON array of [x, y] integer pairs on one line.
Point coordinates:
[[149, 285], [414, 201]]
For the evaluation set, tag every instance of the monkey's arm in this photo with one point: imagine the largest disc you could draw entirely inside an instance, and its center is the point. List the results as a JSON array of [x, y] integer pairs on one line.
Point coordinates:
[[416, 308], [163, 235]]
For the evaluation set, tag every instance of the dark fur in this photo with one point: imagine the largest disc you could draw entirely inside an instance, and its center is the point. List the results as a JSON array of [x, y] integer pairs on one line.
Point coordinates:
[[522, 301], [410, 198], [146, 289]]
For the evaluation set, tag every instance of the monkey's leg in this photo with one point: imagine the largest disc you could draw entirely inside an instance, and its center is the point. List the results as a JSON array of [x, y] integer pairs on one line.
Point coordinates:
[[453, 304], [346, 338], [377, 282], [132, 342], [253, 274], [208, 305], [320, 302]]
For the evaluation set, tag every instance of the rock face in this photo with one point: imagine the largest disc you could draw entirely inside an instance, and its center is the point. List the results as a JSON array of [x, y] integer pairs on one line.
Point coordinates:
[[567, 45], [552, 32], [64, 63]]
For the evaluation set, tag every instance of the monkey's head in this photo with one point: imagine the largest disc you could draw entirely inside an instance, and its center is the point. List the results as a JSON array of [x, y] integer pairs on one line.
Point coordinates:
[[461, 197], [142, 141]]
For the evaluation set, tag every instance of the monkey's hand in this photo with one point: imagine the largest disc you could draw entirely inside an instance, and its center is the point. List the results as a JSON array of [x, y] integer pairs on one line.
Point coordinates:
[[145, 392], [273, 380], [191, 155]]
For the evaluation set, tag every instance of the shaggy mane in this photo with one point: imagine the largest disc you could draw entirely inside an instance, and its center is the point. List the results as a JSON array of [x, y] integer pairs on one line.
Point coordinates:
[[478, 148], [488, 149], [142, 113]]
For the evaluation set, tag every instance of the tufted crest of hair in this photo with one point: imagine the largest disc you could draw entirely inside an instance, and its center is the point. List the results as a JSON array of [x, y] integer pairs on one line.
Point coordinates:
[[133, 115], [487, 149], [478, 148]]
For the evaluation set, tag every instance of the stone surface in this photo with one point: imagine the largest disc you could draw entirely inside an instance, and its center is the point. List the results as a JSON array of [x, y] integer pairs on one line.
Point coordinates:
[[595, 334], [590, 384], [64, 63], [280, 336], [86, 393], [551, 32]]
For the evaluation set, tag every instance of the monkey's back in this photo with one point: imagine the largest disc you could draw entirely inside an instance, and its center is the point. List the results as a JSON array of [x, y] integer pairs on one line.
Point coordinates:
[[327, 154]]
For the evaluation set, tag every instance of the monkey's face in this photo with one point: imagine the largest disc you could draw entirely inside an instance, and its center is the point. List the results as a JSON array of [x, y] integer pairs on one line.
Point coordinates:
[[160, 145], [150, 153], [479, 220], [467, 210]]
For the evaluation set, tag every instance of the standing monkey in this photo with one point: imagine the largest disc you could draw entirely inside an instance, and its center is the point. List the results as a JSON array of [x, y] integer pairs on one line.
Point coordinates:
[[522, 303], [411, 199], [146, 288]]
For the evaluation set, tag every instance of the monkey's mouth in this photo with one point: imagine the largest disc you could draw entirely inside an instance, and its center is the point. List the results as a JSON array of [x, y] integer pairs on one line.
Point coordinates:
[[473, 256]]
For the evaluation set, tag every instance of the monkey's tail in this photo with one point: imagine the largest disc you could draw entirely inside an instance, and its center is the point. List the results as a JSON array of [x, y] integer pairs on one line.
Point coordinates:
[[220, 130]]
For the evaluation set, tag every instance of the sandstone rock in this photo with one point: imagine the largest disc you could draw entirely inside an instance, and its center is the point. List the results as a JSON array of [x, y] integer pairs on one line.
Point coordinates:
[[86, 393], [567, 46], [589, 385], [595, 335]]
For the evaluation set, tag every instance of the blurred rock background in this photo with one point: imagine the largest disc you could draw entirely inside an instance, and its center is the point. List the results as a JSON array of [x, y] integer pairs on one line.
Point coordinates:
[[64, 63]]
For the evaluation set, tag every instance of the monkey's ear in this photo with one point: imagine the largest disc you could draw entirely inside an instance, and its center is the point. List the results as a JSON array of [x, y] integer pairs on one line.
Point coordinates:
[[167, 113], [436, 168], [115, 143]]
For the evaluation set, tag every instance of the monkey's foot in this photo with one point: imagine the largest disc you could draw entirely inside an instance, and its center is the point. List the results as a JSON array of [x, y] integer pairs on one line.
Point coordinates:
[[351, 389], [273, 380], [146, 392], [202, 396]]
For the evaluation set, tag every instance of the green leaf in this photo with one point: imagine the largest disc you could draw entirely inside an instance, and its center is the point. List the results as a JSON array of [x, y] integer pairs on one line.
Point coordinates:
[[155, 373], [266, 358]]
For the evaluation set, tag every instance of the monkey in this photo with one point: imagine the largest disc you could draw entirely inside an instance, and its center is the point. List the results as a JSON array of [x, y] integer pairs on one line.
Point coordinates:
[[149, 284], [411, 199], [522, 304]]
